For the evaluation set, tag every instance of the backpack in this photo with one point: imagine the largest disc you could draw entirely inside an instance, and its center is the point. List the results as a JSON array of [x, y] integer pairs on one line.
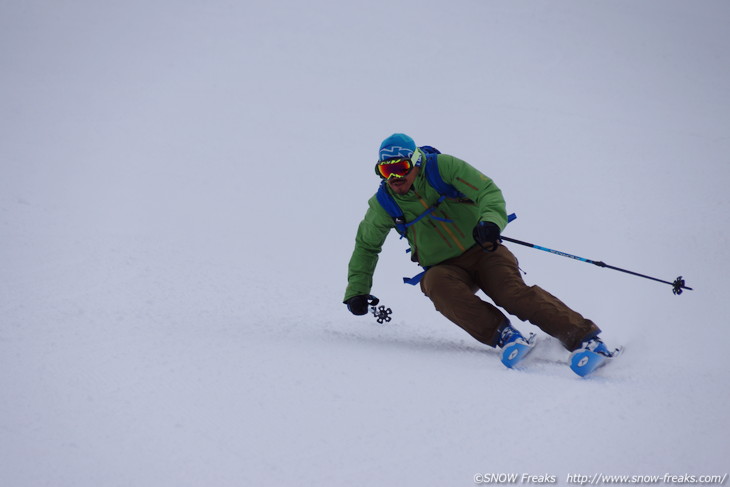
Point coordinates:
[[444, 189]]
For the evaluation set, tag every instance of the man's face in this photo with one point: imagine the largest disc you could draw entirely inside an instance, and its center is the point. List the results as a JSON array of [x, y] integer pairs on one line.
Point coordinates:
[[403, 185]]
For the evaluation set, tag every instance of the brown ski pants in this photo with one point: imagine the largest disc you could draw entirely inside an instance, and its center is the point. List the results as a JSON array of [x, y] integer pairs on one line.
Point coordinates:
[[452, 285]]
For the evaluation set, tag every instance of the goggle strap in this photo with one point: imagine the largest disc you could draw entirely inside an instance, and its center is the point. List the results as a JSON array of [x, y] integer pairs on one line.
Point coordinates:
[[416, 158]]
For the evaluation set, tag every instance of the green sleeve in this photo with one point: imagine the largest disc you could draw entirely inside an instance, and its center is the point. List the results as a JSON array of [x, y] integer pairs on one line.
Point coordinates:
[[371, 235], [477, 187]]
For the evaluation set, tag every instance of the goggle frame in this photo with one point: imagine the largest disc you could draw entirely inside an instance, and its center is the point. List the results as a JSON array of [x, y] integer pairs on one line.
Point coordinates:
[[411, 161]]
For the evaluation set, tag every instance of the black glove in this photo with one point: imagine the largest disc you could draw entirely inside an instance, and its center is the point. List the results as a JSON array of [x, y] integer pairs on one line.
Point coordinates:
[[358, 305], [487, 233]]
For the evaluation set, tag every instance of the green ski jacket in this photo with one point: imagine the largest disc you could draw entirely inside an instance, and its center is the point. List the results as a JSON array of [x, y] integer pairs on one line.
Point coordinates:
[[432, 241]]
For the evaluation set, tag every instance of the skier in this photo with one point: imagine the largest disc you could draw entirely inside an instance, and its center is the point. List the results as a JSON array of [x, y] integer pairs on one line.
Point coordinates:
[[458, 242]]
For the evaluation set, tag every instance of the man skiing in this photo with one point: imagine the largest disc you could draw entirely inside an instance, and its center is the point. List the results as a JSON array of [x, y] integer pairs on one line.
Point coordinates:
[[458, 241]]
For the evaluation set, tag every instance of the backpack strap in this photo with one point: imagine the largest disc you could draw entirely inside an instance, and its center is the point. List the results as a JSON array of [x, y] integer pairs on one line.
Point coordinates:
[[388, 203], [433, 176], [391, 207]]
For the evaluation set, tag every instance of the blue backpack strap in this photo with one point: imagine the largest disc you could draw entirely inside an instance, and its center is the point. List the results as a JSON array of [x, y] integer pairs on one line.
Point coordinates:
[[415, 279], [427, 149], [433, 176], [391, 207]]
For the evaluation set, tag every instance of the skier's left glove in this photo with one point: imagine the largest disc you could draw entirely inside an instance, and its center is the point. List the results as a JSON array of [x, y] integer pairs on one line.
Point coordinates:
[[487, 233]]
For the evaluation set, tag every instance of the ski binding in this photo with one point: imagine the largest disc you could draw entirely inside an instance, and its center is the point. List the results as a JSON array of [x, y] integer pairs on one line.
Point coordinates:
[[513, 353], [584, 362]]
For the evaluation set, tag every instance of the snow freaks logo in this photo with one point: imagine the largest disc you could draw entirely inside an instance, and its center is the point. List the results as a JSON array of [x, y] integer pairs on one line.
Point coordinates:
[[514, 478]]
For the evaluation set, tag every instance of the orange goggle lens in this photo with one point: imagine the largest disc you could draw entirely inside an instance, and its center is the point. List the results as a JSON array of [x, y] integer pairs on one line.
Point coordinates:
[[394, 168]]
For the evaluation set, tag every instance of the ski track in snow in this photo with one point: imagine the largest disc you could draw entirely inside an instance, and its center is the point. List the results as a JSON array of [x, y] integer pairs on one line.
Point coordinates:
[[203, 387]]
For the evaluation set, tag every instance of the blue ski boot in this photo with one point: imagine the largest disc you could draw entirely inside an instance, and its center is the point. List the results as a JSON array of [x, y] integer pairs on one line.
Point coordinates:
[[515, 347], [592, 354]]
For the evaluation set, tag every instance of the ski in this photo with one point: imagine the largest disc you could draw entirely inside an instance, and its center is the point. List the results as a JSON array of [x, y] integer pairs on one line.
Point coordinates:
[[584, 362], [513, 353]]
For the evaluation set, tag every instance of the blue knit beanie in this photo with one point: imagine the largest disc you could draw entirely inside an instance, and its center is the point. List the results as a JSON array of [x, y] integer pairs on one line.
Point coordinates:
[[397, 145]]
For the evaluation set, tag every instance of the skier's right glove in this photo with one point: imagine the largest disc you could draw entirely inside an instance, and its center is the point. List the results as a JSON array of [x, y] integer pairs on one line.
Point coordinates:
[[358, 305], [487, 233]]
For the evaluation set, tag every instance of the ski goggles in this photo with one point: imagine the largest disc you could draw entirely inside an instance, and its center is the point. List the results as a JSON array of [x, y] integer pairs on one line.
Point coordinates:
[[396, 168]]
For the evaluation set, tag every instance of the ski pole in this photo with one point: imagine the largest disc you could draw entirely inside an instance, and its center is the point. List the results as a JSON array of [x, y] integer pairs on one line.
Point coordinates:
[[677, 285]]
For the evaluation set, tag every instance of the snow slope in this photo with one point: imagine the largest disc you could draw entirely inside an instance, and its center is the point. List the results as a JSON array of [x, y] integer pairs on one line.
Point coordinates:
[[181, 183]]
